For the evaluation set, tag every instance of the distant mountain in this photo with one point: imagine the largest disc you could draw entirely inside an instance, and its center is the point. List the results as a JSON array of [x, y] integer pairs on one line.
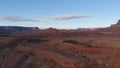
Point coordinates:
[[117, 25], [84, 29], [114, 29], [15, 29]]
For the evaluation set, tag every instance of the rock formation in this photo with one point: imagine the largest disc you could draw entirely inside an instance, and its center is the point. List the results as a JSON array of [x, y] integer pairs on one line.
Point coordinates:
[[117, 25], [15, 29]]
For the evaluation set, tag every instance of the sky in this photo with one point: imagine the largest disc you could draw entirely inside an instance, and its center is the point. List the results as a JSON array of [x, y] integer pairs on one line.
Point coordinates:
[[62, 14]]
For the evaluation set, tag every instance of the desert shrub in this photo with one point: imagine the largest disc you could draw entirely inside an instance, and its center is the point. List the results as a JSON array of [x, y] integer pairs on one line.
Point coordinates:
[[71, 41], [86, 44], [34, 40]]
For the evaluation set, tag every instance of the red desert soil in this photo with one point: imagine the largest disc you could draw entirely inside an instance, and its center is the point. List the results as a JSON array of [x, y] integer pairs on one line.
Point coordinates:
[[59, 52]]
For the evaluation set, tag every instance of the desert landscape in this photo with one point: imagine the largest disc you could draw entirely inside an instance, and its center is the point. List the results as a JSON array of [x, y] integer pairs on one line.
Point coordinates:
[[23, 47]]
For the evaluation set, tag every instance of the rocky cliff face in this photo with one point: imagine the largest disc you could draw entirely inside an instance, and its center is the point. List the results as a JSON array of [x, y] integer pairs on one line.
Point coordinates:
[[114, 29], [116, 25]]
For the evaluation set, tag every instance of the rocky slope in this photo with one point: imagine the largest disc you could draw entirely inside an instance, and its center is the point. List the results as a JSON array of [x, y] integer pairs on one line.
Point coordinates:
[[115, 29]]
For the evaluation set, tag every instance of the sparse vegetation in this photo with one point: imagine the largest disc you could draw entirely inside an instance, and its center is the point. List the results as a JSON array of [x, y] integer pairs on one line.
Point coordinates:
[[34, 40], [71, 41], [80, 52]]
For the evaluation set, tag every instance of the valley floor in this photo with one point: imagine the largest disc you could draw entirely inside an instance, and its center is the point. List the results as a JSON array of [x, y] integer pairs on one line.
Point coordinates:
[[59, 52]]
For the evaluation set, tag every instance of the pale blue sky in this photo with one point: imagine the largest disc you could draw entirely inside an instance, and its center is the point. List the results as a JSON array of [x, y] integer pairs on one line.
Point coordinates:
[[59, 13]]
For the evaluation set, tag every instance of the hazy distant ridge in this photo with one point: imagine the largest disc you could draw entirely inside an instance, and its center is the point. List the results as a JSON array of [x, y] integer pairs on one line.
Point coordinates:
[[15, 29]]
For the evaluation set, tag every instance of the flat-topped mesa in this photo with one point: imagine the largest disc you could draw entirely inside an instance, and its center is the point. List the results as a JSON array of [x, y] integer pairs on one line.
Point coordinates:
[[15, 29], [50, 30], [117, 25]]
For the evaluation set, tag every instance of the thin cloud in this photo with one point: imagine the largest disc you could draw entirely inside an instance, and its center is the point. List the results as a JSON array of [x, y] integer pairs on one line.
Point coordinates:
[[60, 18], [46, 19], [68, 17], [17, 19]]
